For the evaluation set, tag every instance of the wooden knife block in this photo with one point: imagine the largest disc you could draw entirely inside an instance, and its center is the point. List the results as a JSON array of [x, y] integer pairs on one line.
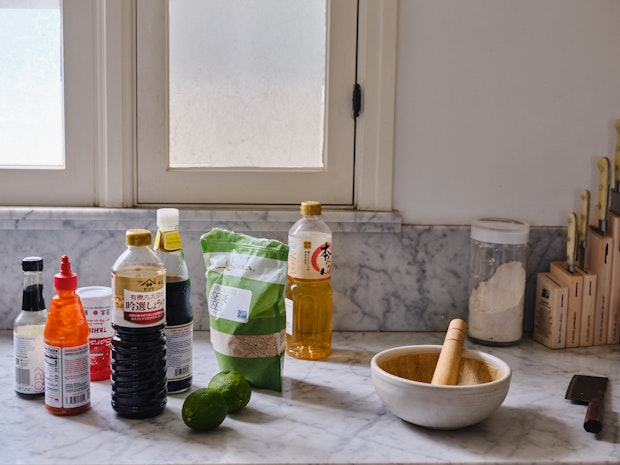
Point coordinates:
[[574, 283], [613, 324], [599, 262]]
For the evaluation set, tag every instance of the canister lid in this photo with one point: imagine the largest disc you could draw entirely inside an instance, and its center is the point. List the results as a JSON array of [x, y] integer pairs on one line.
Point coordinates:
[[138, 237], [94, 292], [500, 231]]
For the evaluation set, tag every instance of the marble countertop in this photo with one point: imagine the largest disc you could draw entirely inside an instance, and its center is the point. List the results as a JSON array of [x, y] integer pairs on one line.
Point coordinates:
[[328, 412]]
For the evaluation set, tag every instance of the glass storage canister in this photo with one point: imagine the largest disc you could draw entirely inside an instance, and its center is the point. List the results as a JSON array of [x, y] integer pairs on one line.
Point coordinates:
[[498, 251]]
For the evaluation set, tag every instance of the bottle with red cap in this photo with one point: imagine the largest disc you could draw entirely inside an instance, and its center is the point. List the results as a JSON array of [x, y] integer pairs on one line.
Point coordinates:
[[67, 355]]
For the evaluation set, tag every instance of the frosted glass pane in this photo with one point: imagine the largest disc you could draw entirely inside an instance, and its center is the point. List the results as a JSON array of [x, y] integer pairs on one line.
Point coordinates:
[[31, 97], [247, 83]]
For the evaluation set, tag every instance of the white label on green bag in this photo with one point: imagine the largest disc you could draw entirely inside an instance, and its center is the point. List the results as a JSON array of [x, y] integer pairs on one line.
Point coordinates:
[[230, 303]]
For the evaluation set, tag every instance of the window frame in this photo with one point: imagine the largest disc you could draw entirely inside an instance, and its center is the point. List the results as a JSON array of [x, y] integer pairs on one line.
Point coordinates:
[[75, 184], [157, 183], [107, 131]]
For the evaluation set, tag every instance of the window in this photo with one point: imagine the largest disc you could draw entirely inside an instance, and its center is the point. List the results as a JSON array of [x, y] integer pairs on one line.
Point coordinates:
[[60, 151], [111, 117], [250, 108]]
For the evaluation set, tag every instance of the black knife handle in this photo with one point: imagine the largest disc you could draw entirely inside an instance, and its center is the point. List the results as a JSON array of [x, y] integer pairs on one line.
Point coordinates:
[[593, 422]]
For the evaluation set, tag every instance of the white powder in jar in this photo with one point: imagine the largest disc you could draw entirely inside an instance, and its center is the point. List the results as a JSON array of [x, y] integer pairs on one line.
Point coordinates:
[[496, 305]]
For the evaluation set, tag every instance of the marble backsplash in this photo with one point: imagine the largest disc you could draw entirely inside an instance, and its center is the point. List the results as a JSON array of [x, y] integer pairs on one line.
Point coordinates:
[[387, 276]]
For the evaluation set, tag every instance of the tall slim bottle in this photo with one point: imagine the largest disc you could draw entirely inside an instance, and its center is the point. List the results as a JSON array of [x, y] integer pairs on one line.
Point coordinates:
[[67, 354], [138, 349], [308, 293], [179, 316], [28, 330]]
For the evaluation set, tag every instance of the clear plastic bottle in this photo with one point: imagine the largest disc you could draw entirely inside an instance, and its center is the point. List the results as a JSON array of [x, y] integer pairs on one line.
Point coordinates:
[[28, 330], [67, 355], [179, 316], [308, 292], [138, 318]]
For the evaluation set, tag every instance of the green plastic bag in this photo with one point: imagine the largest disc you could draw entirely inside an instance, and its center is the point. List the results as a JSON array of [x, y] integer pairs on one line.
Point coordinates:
[[247, 318]]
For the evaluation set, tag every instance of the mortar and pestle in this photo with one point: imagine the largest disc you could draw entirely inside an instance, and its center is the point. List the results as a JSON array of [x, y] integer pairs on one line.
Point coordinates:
[[441, 387]]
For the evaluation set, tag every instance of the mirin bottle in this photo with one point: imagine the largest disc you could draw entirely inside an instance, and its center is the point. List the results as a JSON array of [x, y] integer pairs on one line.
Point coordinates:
[[308, 292]]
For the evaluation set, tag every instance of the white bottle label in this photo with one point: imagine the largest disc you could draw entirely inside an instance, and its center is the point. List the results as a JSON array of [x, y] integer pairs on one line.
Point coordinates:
[[29, 359], [179, 351], [67, 376], [230, 303], [310, 256]]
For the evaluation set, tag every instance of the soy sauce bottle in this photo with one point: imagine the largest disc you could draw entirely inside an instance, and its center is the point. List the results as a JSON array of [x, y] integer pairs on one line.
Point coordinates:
[[28, 330], [179, 317], [138, 350]]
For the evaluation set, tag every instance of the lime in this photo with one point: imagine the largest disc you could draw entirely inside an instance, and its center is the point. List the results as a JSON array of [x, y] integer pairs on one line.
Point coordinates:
[[234, 387], [204, 409]]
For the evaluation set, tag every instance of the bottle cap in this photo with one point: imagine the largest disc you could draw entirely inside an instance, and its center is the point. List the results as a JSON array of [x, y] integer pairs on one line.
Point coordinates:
[[138, 237], [32, 264], [310, 208], [65, 280], [167, 218]]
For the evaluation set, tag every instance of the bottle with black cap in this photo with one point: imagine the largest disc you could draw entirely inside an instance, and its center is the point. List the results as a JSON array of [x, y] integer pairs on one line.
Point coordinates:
[[28, 330]]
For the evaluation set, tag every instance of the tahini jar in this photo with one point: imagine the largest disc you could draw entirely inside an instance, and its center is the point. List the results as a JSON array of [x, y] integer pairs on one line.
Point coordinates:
[[498, 251]]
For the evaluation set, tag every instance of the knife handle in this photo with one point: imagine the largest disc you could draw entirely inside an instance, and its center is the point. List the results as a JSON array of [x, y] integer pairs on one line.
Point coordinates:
[[584, 215], [603, 188], [593, 422], [571, 241], [617, 156]]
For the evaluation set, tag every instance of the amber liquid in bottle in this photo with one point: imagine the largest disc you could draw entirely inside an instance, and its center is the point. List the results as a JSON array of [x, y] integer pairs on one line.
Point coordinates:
[[311, 334], [308, 292]]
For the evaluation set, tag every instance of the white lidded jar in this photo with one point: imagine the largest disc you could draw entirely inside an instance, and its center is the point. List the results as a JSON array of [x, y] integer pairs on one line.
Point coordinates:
[[497, 276]]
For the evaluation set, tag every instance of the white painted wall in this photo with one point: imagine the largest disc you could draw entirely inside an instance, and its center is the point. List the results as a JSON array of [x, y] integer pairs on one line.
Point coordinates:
[[503, 107]]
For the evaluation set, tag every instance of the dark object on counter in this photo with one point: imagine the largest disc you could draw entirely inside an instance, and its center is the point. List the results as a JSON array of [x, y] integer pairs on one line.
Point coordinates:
[[589, 390]]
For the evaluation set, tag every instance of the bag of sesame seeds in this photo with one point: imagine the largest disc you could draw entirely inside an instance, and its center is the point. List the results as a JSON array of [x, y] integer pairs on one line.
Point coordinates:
[[245, 283]]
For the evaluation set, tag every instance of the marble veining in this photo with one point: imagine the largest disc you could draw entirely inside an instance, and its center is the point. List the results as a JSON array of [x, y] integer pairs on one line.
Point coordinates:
[[387, 276], [328, 412]]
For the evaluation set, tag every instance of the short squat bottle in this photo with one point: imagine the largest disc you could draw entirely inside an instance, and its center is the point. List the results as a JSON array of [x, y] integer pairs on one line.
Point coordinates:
[[308, 292], [67, 353], [138, 350], [179, 316], [28, 330]]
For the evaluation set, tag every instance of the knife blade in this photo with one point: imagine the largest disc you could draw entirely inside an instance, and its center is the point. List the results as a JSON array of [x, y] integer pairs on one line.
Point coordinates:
[[571, 241], [582, 228], [602, 206], [615, 191], [589, 390]]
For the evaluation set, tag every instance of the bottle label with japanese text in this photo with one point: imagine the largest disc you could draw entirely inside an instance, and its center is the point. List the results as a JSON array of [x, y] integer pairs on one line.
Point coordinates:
[[139, 302], [310, 256]]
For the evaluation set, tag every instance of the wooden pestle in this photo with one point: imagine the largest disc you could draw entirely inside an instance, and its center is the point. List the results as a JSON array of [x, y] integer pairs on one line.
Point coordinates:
[[448, 365]]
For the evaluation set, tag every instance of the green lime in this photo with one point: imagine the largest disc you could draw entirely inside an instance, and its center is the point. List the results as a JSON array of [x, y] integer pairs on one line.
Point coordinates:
[[204, 409], [234, 387]]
